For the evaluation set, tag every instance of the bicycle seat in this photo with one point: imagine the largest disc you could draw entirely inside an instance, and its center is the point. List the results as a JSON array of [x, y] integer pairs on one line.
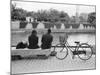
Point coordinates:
[[77, 42]]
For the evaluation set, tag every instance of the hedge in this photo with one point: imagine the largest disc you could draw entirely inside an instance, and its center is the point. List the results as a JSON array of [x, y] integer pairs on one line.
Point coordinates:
[[23, 24]]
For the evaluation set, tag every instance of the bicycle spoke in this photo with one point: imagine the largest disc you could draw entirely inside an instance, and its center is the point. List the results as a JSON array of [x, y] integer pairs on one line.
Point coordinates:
[[61, 51]]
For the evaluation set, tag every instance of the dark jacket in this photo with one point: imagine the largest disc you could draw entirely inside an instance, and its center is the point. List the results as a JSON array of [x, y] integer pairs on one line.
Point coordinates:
[[46, 41], [33, 42]]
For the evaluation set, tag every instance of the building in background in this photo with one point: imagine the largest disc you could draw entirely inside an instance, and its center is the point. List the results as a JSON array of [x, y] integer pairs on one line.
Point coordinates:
[[29, 19]]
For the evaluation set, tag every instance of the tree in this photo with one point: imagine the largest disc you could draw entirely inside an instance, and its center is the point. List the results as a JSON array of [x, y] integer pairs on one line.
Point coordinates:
[[64, 17], [82, 19], [54, 15], [18, 13], [51, 15], [13, 11], [62, 14], [92, 18], [41, 15], [73, 19]]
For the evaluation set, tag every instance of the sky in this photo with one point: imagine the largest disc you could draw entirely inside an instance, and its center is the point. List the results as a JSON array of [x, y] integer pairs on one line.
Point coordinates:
[[70, 9]]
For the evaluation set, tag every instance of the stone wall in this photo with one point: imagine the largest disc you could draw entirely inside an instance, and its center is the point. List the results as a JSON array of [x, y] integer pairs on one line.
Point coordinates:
[[46, 25]]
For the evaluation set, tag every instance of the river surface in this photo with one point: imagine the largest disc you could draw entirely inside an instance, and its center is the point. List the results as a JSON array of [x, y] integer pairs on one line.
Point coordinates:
[[82, 37]]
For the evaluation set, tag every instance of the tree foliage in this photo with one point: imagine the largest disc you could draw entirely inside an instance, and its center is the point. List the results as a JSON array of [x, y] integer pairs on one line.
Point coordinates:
[[17, 13], [92, 18], [51, 15]]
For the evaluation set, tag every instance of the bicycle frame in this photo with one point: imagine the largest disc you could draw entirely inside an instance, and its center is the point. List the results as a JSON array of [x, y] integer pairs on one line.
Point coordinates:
[[76, 47]]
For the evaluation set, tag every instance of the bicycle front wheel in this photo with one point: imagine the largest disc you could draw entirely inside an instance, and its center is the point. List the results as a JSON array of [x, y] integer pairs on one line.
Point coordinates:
[[84, 51], [61, 50]]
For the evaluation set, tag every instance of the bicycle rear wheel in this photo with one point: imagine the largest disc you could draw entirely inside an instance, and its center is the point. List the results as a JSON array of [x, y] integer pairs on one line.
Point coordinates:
[[61, 50], [84, 51]]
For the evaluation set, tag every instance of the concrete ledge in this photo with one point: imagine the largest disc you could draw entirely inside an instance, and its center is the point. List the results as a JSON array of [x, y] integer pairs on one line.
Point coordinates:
[[30, 52]]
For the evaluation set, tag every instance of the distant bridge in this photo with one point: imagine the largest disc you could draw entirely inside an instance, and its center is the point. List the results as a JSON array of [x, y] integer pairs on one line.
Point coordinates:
[[46, 25]]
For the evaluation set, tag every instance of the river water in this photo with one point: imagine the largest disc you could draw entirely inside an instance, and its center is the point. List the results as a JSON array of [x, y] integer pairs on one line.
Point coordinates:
[[82, 37]]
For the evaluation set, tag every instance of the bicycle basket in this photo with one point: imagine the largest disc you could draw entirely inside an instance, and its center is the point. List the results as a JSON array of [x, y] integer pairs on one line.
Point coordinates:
[[62, 39]]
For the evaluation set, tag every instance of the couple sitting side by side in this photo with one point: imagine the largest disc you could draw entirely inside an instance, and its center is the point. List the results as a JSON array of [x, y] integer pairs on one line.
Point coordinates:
[[46, 40], [33, 40]]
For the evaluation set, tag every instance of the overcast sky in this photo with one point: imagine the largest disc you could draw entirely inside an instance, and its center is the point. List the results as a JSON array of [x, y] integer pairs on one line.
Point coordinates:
[[70, 9]]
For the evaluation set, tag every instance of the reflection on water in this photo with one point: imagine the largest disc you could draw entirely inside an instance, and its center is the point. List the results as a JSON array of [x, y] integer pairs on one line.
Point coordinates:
[[83, 38]]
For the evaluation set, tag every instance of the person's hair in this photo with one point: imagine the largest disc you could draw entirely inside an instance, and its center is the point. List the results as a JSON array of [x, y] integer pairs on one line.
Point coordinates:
[[49, 30], [34, 32]]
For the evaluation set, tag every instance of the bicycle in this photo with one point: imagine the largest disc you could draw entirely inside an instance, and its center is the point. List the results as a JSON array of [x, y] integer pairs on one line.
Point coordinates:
[[83, 50]]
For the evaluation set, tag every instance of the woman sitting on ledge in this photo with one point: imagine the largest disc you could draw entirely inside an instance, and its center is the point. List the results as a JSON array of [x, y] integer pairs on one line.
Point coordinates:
[[33, 40]]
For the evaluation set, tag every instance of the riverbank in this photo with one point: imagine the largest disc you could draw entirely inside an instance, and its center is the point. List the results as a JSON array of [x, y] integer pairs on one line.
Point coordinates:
[[54, 30]]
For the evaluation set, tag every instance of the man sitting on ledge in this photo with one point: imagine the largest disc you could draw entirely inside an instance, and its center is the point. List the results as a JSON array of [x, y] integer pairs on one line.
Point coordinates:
[[47, 40]]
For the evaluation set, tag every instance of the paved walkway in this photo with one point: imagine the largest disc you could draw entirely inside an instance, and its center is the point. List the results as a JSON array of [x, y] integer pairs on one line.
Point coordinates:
[[51, 64]]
